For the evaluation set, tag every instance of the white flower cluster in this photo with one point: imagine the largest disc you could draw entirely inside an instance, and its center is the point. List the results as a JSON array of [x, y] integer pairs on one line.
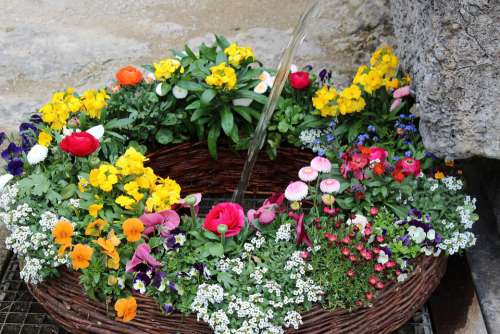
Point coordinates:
[[293, 319], [466, 212], [235, 265], [305, 288], [48, 220], [255, 243], [284, 233], [452, 183], [311, 139], [74, 202], [258, 274], [205, 295], [254, 319], [8, 197], [30, 272], [457, 242]]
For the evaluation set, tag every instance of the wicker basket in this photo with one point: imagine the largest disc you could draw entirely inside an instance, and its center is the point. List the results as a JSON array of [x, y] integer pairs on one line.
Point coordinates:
[[192, 167]]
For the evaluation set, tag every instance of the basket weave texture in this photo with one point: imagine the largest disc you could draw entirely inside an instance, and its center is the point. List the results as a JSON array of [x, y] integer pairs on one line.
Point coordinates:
[[191, 165]]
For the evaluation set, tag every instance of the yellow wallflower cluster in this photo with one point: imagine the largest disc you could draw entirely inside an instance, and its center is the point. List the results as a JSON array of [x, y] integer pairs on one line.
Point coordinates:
[[104, 177], [139, 182], [382, 71], [222, 76], [166, 68], [350, 100], [166, 193], [237, 55], [322, 101], [94, 101], [57, 111]]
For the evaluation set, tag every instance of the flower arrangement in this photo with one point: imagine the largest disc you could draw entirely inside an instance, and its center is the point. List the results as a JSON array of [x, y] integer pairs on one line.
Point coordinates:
[[78, 192]]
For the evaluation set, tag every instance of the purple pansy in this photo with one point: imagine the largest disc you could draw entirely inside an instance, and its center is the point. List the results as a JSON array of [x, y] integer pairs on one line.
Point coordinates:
[[165, 221], [167, 308], [15, 167], [142, 255], [12, 151]]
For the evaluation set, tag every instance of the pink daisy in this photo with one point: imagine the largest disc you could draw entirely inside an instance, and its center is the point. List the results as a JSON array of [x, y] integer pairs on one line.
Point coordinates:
[[308, 174], [322, 165], [296, 191], [329, 186]]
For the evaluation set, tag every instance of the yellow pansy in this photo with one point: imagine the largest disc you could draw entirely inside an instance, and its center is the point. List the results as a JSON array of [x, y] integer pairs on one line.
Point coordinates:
[[237, 55], [222, 76], [44, 139], [131, 163], [392, 84], [132, 189], [165, 69], [125, 202], [94, 209], [147, 180], [104, 177], [166, 193], [82, 184]]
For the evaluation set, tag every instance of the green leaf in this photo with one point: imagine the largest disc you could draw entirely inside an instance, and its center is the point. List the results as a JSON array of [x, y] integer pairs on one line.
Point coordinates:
[[118, 123], [221, 58], [197, 114], [155, 242], [189, 85], [211, 236], [283, 126], [207, 96], [216, 249], [252, 95], [398, 210], [68, 191], [164, 136], [189, 52], [227, 120], [194, 105], [213, 136], [222, 42], [170, 119], [244, 113], [248, 111]]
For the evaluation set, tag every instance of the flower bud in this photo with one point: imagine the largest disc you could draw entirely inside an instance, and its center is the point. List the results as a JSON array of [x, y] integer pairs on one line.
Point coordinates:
[[222, 229]]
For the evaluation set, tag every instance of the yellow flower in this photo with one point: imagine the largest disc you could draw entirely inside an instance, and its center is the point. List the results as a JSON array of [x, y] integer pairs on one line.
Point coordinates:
[[96, 227], [104, 177], [222, 77], [80, 256], [323, 101], [131, 162], [237, 54], [94, 209], [392, 84], [372, 81], [94, 101], [57, 111], [44, 139], [439, 175], [132, 228], [166, 193], [166, 68], [362, 70], [125, 202], [352, 92], [132, 189], [147, 180], [63, 233], [82, 184], [126, 308], [112, 280]]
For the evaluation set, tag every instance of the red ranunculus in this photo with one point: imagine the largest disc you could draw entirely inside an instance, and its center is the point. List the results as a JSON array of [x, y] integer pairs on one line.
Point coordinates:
[[358, 161], [377, 153], [300, 80], [129, 76], [409, 166], [80, 144], [226, 213]]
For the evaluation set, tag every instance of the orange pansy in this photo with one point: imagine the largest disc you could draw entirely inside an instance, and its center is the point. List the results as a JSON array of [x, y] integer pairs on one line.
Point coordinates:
[[62, 232], [126, 308], [80, 256], [133, 228], [108, 247], [95, 228]]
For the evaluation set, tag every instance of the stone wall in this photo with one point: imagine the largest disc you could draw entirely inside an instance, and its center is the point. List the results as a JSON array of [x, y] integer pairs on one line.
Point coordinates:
[[452, 49]]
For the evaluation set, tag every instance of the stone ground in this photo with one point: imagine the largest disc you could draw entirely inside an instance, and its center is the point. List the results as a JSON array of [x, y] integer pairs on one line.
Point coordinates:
[[47, 45]]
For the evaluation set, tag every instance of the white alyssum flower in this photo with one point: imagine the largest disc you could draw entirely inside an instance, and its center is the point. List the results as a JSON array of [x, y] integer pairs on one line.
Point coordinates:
[[284, 233], [74, 202], [37, 154], [293, 319], [8, 197], [452, 183], [466, 212]]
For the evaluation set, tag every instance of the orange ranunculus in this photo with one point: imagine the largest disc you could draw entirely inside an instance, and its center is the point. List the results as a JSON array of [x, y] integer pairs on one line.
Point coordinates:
[[80, 256], [62, 232], [129, 76], [95, 228], [133, 228], [126, 308], [379, 168], [108, 247]]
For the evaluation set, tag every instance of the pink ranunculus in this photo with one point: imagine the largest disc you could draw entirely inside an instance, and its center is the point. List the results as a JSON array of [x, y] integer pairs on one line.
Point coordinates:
[[265, 214], [166, 221], [377, 153], [401, 92], [183, 206], [226, 213], [141, 255], [408, 166]]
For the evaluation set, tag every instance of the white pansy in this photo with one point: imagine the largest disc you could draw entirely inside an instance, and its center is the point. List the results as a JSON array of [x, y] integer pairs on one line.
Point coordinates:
[[266, 81], [37, 154], [96, 131], [382, 257], [242, 102], [417, 234], [431, 234], [4, 179], [179, 92]]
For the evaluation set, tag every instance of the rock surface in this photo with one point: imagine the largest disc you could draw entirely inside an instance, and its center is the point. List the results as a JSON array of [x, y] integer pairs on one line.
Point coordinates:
[[82, 43], [452, 50]]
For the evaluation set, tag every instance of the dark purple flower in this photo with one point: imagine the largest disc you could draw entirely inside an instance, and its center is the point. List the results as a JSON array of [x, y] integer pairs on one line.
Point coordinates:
[[323, 74], [140, 276], [15, 167], [387, 251], [172, 287], [167, 308], [35, 118], [27, 127], [202, 270], [415, 213], [438, 239], [2, 137], [158, 279], [405, 240], [28, 141], [174, 240], [11, 151], [418, 223]]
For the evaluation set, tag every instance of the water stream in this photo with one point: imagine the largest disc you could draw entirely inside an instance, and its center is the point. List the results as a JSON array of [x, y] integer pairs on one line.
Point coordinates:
[[259, 137]]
